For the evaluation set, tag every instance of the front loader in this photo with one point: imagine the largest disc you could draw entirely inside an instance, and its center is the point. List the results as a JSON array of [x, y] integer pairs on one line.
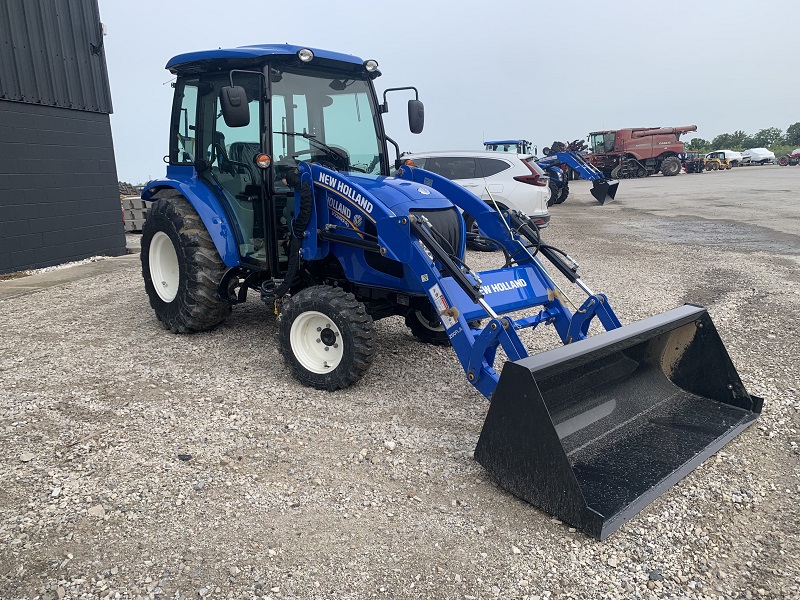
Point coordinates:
[[555, 157], [279, 182]]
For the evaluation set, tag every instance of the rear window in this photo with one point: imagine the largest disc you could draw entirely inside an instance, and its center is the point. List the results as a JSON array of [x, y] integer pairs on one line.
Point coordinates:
[[531, 162], [492, 166]]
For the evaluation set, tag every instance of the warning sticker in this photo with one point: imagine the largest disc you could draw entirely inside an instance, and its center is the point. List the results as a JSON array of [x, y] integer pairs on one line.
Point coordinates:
[[442, 307]]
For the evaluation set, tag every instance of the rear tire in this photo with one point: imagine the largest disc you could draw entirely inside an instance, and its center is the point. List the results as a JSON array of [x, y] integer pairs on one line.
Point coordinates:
[[181, 268], [472, 228], [783, 161], [427, 328], [670, 166], [326, 337]]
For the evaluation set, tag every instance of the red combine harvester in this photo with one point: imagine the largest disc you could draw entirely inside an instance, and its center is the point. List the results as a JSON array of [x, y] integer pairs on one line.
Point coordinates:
[[638, 152]]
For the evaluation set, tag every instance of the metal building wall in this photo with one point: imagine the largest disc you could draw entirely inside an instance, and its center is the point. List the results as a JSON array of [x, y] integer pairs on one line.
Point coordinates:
[[59, 197], [51, 53]]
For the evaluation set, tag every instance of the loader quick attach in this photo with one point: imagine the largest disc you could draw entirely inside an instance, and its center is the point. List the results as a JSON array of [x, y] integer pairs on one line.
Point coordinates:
[[279, 182]]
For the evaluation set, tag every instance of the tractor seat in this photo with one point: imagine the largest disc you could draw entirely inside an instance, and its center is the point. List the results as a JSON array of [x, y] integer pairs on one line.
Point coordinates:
[[244, 152]]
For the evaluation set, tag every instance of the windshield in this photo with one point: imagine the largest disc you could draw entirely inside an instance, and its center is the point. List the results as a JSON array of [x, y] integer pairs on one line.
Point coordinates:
[[318, 117]]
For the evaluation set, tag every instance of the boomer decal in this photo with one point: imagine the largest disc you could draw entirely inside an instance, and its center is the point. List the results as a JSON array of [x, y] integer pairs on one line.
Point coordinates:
[[504, 286], [343, 189]]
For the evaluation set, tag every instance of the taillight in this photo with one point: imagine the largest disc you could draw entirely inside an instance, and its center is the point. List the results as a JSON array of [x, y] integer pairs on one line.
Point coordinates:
[[534, 179]]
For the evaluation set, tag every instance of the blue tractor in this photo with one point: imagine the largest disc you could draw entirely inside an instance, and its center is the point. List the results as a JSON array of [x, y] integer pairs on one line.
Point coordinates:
[[279, 182], [556, 157]]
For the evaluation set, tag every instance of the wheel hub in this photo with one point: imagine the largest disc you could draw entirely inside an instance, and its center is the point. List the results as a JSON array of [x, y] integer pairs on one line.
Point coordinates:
[[328, 336]]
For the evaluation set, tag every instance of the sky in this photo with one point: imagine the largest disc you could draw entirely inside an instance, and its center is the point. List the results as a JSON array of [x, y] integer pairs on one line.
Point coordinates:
[[485, 70]]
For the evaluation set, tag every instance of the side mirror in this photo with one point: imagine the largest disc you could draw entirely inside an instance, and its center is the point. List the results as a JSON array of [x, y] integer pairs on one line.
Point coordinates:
[[233, 101], [416, 116]]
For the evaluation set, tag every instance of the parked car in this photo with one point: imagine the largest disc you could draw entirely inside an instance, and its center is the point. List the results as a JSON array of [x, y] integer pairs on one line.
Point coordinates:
[[758, 156], [511, 180]]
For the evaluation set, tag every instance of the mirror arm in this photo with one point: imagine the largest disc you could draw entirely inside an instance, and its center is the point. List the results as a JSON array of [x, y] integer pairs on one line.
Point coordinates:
[[396, 150], [385, 106]]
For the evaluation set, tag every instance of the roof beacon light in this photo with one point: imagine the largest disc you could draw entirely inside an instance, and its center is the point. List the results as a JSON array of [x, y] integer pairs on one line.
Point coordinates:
[[371, 65], [305, 55]]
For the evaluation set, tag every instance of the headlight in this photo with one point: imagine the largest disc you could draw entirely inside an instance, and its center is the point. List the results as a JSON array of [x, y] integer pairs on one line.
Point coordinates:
[[305, 55], [371, 65]]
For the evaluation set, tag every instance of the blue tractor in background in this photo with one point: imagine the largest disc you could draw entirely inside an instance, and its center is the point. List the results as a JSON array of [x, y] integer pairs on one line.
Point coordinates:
[[279, 182], [556, 158]]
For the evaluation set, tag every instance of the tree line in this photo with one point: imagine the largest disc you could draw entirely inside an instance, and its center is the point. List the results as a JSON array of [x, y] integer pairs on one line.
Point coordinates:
[[772, 137]]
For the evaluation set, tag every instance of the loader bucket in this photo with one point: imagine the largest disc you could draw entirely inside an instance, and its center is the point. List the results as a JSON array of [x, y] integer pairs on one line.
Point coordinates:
[[593, 431], [604, 190]]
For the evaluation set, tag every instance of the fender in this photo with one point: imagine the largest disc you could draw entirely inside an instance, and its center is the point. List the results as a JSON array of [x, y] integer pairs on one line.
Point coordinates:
[[184, 179], [556, 173]]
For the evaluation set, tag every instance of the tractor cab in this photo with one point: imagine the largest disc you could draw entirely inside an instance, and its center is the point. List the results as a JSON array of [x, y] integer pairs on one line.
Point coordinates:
[[602, 141], [518, 146], [243, 118]]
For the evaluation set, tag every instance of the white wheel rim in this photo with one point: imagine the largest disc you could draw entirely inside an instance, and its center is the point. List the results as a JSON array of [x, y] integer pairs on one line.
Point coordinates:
[[316, 342], [164, 269]]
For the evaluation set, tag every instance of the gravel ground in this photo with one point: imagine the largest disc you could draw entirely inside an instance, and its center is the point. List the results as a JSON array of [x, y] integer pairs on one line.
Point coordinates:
[[140, 464]]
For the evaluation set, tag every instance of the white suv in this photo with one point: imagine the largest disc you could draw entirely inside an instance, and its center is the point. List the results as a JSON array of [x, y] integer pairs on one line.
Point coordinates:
[[513, 181]]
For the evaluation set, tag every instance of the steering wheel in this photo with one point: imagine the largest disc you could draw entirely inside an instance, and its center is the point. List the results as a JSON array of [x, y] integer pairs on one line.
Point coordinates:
[[324, 158]]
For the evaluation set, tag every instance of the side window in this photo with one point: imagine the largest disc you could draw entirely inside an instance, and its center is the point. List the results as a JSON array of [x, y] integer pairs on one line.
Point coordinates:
[[420, 162], [182, 147], [491, 166], [453, 167], [464, 168]]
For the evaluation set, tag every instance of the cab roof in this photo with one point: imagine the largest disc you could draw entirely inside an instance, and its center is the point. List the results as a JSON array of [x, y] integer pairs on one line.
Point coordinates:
[[256, 51], [500, 142]]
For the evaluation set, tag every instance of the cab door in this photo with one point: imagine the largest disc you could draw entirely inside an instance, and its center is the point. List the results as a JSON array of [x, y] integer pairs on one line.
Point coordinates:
[[230, 155]]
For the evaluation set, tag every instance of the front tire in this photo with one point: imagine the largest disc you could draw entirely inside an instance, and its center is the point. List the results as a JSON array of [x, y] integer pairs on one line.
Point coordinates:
[[326, 337], [181, 268], [670, 166], [562, 197], [555, 191]]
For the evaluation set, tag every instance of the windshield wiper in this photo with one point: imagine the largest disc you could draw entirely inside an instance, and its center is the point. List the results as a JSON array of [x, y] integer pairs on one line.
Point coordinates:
[[313, 138]]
